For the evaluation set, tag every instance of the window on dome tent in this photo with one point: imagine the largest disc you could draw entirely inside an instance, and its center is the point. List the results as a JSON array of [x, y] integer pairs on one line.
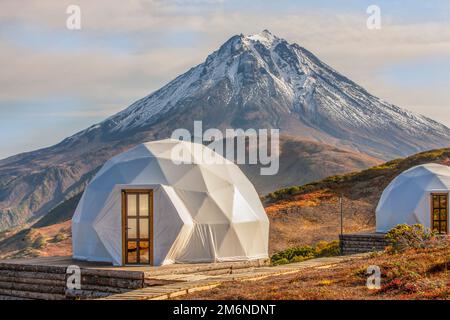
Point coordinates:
[[439, 212], [137, 221]]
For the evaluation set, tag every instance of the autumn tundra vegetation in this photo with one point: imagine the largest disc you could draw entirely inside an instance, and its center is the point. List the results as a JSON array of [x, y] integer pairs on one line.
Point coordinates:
[[414, 266]]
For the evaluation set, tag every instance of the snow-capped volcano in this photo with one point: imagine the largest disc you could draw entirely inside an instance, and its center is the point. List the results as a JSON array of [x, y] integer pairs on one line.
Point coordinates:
[[257, 81], [263, 81], [246, 64]]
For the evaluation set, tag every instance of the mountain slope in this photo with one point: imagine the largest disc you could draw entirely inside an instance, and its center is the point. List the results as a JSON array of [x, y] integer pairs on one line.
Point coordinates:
[[303, 161], [258, 81], [300, 162]]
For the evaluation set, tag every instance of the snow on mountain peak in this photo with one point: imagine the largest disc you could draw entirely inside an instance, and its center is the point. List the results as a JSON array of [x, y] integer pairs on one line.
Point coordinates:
[[265, 37]]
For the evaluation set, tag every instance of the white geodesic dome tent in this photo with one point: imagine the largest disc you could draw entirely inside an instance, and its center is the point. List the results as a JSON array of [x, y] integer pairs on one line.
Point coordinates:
[[204, 209], [408, 198]]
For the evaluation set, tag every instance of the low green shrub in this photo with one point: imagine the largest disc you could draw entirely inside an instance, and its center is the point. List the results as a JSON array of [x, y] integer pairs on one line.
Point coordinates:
[[328, 249], [404, 236], [289, 254], [280, 261], [60, 236], [300, 258], [302, 253], [28, 240], [39, 242]]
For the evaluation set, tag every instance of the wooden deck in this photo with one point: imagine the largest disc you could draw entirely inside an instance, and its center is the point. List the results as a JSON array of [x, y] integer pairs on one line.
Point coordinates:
[[46, 277]]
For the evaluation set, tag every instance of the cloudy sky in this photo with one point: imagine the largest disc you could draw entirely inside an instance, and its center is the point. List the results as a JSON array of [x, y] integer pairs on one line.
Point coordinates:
[[55, 81]]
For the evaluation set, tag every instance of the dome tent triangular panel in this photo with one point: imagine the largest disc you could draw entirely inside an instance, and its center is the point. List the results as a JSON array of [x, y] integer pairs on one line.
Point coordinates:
[[157, 175], [249, 241], [192, 200], [186, 182], [213, 181], [224, 198], [408, 199], [231, 236], [142, 201]]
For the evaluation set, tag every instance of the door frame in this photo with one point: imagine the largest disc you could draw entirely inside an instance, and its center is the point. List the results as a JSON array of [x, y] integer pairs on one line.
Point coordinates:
[[432, 208], [124, 229]]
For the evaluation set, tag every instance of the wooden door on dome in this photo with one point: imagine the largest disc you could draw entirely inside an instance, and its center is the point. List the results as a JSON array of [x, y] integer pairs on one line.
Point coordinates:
[[137, 227]]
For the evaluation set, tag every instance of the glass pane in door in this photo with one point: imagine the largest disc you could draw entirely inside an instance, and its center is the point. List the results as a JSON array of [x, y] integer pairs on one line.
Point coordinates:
[[443, 202], [132, 228], [143, 205], [131, 204], [132, 252], [144, 255], [444, 226], [143, 229]]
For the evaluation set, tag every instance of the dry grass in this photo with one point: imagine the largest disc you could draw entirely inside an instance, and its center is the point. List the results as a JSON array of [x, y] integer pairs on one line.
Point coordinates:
[[312, 199], [55, 240], [316, 216], [415, 274]]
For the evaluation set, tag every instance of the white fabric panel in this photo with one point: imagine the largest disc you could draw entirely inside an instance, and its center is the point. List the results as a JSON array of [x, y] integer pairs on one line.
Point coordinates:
[[407, 198], [167, 225], [199, 247], [187, 225], [108, 225], [203, 212]]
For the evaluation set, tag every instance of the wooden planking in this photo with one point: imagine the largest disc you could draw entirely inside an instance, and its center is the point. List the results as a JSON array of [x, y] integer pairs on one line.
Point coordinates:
[[204, 267]]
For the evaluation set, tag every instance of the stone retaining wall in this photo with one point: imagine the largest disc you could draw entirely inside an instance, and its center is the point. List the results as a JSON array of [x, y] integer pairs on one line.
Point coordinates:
[[362, 242]]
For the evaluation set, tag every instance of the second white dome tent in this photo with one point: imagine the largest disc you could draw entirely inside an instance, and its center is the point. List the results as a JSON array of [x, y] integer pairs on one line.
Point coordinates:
[[145, 207], [417, 196]]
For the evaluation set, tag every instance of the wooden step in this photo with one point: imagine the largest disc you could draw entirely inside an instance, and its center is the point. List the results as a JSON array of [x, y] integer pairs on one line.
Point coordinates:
[[85, 294], [33, 280], [25, 281], [32, 295], [112, 282], [33, 275], [32, 287]]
